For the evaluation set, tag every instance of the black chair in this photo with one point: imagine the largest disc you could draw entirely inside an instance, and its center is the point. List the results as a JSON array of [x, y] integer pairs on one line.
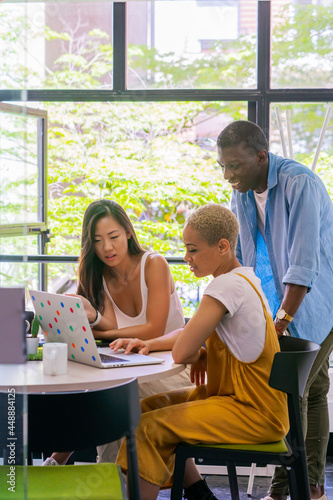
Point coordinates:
[[76, 421], [28, 319], [289, 374]]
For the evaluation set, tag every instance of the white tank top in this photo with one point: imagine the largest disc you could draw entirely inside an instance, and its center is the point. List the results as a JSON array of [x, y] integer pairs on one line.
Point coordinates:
[[175, 318]]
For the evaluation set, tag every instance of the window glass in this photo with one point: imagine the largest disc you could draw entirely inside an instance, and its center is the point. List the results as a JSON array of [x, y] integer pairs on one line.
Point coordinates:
[[302, 55], [192, 44], [311, 136], [18, 169], [18, 274], [62, 277], [158, 160], [56, 45]]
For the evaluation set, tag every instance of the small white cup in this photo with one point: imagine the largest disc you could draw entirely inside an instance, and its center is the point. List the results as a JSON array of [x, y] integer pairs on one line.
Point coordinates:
[[54, 358]]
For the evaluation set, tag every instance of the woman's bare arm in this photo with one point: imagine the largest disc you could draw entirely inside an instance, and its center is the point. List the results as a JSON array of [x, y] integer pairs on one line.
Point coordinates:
[[163, 343], [188, 345], [159, 282]]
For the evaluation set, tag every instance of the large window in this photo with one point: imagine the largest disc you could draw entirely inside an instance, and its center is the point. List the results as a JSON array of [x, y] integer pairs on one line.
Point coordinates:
[[192, 44], [23, 169], [136, 94], [65, 45], [23, 191]]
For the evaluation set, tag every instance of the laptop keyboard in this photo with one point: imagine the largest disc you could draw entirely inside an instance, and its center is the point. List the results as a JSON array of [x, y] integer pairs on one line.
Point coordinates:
[[105, 358]]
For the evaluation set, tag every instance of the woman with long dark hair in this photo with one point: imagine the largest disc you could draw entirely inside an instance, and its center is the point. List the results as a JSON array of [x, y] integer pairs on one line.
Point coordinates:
[[126, 291]]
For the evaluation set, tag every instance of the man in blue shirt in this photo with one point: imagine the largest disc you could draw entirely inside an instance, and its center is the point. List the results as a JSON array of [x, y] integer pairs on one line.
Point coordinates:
[[286, 233]]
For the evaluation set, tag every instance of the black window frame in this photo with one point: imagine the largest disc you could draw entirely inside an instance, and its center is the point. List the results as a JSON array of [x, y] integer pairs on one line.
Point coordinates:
[[259, 99]]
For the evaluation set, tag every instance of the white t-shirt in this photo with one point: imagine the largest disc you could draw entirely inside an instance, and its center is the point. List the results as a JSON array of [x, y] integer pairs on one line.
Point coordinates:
[[260, 199], [243, 327]]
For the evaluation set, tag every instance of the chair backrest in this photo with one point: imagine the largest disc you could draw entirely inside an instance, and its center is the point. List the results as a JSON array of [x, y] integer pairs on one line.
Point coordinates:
[[289, 373], [291, 366], [79, 420]]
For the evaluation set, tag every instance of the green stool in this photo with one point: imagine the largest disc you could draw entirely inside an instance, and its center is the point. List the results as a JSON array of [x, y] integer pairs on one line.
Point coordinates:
[[74, 421], [95, 481]]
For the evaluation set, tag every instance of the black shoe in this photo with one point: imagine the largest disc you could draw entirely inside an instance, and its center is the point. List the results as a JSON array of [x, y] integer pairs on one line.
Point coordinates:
[[199, 491]]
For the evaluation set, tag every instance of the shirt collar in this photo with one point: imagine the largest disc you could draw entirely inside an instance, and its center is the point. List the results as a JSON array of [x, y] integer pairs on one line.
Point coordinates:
[[272, 171]]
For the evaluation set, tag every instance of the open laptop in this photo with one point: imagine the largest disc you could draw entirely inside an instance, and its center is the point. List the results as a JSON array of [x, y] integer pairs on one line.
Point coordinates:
[[63, 319]]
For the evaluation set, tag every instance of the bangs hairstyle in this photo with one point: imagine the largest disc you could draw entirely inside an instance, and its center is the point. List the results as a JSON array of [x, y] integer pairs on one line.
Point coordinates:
[[213, 223], [90, 266], [244, 133], [108, 208]]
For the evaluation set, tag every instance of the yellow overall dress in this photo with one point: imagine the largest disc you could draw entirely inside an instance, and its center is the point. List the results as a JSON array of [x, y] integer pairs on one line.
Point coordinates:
[[236, 406]]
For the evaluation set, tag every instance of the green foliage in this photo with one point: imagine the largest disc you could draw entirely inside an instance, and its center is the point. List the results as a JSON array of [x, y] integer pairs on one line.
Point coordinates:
[[325, 172], [35, 326], [145, 155], [133, 153], [324, 169], [226, 65], [302, 47], [307, 120]]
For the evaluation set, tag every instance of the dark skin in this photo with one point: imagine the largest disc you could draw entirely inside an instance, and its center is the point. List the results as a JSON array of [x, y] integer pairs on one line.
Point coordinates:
[[246, 170]]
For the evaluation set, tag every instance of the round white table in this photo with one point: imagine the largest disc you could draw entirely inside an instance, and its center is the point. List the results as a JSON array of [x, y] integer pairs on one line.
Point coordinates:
[[30, 378]]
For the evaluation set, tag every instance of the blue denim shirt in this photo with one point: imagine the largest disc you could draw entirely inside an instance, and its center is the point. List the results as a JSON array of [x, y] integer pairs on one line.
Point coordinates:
[[299, 238]]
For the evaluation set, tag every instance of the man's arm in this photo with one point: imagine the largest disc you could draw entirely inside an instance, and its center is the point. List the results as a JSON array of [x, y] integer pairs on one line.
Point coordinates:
[[293, 297], [303, 245]]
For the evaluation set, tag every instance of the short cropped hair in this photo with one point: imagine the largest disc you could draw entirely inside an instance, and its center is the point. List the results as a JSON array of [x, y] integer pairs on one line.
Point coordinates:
[[214, 222], [243, 132]]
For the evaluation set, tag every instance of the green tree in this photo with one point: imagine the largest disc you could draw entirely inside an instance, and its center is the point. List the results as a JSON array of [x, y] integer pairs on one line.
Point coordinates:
[[145, 155]]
